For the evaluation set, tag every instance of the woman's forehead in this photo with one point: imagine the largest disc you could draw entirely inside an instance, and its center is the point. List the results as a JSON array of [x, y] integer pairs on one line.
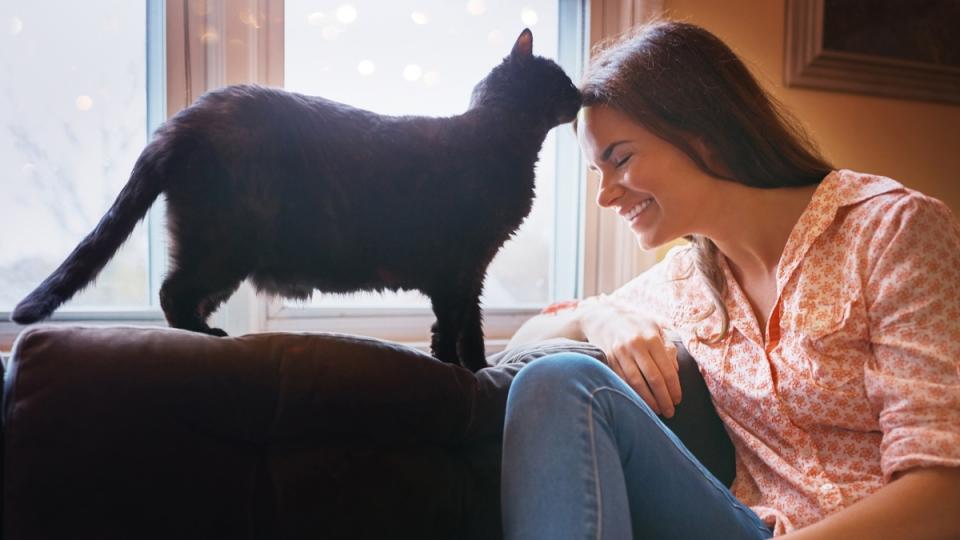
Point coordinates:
[[600, 124], [605, 118]]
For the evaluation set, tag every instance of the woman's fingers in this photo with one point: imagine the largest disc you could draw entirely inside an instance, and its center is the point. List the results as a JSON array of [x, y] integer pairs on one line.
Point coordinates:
[[657, 381], [672, 352], [615, 366], [665, 356], [631, 371], [649, 368], [634, 380], [626, 368]]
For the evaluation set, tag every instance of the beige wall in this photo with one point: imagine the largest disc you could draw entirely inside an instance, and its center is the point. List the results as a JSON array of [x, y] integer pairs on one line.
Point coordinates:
[[915, 142]]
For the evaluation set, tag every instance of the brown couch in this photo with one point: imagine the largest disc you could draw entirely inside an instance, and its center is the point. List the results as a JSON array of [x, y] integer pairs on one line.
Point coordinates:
[[155, 433]]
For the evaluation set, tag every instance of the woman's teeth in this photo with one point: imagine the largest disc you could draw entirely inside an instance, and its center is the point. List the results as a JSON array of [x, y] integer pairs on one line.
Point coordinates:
[[635, 211]]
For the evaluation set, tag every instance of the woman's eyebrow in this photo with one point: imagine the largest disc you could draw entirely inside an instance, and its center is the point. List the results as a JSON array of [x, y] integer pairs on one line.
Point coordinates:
[[609, 150]]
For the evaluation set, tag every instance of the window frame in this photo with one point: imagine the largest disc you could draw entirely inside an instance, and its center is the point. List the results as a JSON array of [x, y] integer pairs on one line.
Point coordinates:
[[149, 314]]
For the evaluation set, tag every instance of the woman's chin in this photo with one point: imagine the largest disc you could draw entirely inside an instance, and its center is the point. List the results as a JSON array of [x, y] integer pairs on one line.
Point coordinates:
[[646, 230], [646, 241]]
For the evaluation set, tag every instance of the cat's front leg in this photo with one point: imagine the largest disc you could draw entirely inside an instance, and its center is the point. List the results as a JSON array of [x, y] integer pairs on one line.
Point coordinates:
[[458, 333], [444, 332], [470, 346], [443, 343]]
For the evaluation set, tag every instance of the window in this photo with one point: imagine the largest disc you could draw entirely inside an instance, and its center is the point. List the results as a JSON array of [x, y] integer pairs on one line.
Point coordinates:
[[81, 91]]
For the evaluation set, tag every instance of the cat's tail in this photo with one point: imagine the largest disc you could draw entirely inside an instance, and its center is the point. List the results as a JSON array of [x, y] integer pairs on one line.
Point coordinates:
[[92, 254]]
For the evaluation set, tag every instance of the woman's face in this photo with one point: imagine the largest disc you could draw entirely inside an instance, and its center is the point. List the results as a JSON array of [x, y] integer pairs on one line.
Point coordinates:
[[654, 186]]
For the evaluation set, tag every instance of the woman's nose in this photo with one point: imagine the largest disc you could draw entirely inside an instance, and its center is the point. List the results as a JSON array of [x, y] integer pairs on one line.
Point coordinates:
[[608, 192]]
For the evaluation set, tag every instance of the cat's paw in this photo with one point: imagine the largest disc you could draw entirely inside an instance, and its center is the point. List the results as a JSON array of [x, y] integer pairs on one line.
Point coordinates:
[[217, 332]]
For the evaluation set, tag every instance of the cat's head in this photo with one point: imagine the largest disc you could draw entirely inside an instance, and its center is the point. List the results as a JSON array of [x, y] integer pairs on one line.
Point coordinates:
[[529, 85]]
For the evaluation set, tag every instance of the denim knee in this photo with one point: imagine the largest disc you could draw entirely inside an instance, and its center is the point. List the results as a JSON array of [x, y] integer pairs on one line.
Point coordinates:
[[549, 391], [558, 373]]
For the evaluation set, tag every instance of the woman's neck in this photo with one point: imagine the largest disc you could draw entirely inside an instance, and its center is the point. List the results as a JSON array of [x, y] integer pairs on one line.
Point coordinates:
[[755, 226]]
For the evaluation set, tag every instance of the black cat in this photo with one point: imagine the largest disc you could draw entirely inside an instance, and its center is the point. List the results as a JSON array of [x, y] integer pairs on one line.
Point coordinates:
[[301, 193]]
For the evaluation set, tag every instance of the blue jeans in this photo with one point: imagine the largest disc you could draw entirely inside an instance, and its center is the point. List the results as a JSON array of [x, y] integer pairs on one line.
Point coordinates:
[[585, 457]]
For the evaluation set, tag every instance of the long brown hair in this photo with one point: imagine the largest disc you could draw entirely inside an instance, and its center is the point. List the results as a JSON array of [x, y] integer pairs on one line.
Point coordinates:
[[685, 85]]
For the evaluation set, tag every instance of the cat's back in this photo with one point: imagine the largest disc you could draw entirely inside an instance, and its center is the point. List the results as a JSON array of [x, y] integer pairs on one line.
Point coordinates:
[[266, 109], [248, 126]]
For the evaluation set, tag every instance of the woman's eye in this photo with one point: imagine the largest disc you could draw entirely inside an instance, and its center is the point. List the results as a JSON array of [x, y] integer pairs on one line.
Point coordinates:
[[622, 161]]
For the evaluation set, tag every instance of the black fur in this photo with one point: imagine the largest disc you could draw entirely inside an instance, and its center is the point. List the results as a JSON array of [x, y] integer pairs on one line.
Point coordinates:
[[301, 193]]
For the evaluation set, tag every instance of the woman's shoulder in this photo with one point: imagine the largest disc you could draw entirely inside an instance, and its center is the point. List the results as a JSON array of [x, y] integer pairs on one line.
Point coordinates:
[[879, 203], [896, 227]]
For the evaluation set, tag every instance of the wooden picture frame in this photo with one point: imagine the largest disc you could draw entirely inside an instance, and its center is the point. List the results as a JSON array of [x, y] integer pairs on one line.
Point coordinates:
[[894, 48]]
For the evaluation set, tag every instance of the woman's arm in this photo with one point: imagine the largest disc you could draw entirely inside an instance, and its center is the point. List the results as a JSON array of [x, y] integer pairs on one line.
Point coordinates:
[[561, 322], [632, 343], [920, 504]]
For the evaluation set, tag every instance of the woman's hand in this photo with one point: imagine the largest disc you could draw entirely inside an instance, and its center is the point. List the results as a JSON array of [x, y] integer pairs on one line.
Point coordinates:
[[635, 350]]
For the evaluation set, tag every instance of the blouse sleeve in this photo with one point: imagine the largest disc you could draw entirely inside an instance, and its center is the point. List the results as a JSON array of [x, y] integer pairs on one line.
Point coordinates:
[[913, 302], [654, 292]]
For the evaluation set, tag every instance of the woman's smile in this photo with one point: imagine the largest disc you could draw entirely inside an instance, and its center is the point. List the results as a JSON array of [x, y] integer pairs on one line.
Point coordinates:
[[634, 215]]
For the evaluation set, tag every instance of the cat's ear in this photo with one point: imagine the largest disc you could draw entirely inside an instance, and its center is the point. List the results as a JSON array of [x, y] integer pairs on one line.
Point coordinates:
[[523, 48]]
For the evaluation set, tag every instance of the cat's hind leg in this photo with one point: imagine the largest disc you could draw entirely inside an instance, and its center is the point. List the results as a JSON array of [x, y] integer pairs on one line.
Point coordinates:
[[191, 293]]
